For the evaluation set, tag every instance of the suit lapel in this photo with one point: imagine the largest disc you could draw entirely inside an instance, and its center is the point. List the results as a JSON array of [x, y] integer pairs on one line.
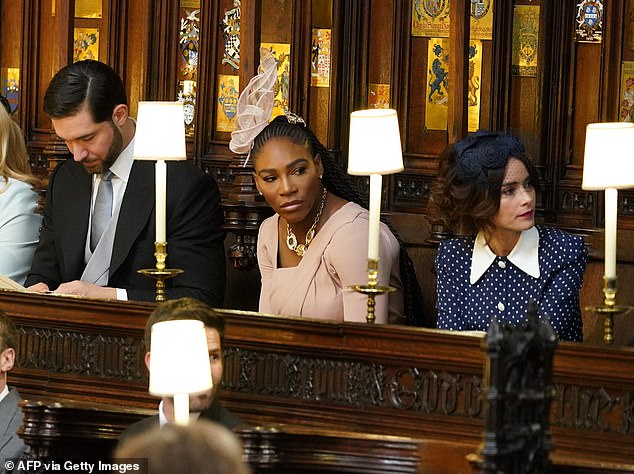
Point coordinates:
[[136, 210]]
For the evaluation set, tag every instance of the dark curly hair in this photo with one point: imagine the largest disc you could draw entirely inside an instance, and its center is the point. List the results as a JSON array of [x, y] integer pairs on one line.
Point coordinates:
[[466, 194], [337, 181]]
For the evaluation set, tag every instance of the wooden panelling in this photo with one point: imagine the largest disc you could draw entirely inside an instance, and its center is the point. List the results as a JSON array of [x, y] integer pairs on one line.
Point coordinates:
[[134, 56], [524, 118], [500, 87], [386, 380], [163, 56], [586, 105], [615, 50], [420, 141], [61, 429], [458, 83], [381, 43], [485, 83], [66, 430], [320, 98], [372, 42], [11, 41], [576, 83]]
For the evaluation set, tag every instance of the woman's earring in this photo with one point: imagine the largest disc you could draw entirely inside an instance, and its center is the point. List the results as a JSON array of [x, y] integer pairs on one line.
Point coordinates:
[[321, 176]]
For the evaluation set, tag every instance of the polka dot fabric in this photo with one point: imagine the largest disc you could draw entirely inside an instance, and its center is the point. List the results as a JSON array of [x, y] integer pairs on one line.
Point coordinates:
[[504, 290]]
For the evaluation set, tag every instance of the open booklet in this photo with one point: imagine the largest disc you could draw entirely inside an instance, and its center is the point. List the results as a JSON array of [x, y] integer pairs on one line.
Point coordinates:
[[7, 283]]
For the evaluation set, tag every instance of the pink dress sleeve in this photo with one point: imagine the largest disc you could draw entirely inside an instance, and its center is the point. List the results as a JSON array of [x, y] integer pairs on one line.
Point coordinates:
[[347, 260], [267, 254], [318, 287]]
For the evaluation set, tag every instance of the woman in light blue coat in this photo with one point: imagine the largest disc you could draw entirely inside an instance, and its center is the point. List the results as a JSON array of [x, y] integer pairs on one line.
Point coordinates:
[[19, 224]]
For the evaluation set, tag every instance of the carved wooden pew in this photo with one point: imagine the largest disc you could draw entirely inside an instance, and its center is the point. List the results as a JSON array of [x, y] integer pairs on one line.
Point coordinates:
[[296, 450], [66, 430], [76, 431], [384, 380]]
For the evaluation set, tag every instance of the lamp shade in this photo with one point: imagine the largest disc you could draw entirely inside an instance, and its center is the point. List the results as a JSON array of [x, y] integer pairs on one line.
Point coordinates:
[[179, 360], [160, 132], [375, 142], [609, 156]]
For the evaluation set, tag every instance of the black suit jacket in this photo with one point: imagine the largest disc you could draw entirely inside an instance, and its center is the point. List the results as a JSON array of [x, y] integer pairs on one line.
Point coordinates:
[[216, 412], [194, 233]]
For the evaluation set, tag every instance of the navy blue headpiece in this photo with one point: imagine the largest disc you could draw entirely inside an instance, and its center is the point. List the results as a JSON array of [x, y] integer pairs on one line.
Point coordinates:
[[482, 151]]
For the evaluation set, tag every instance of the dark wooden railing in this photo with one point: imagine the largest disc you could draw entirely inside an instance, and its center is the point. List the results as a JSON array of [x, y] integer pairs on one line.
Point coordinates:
[[383, 380]]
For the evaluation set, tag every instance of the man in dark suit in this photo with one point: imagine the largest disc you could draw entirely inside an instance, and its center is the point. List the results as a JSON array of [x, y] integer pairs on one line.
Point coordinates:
[[205, 405], [87, 104], [11, 445]]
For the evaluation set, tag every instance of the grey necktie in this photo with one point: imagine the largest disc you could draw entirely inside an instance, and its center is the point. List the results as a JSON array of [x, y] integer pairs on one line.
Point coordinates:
[[103, 209]]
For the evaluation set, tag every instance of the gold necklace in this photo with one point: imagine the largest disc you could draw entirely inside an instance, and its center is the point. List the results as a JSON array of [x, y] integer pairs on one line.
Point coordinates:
[[291, 240]]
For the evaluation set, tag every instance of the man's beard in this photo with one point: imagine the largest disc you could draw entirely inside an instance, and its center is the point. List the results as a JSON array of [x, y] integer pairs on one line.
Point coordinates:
[[201, 402], [116, 147]]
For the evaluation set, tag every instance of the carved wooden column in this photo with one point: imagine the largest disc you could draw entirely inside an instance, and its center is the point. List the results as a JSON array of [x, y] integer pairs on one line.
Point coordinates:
[[502, 44], [458, 79], [41, 59], [245, 209]]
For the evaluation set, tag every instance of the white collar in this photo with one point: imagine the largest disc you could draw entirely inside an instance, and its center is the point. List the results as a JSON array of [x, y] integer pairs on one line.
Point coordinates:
[[123, 164], [193, 416], [524, 255], [4, 392], [161, 414]]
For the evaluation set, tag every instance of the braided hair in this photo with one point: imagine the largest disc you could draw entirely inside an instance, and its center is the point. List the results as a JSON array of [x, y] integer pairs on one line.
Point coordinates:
[[337, 181]]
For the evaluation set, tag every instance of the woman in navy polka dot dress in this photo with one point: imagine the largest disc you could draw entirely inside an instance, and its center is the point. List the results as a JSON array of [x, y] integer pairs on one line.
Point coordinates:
[[485, 194]]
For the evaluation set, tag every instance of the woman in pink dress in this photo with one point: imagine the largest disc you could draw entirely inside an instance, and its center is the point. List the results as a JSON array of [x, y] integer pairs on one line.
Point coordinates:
[[316, 245]]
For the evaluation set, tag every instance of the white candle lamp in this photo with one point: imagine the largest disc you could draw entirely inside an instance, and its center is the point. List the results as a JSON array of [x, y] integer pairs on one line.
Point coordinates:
[[160, 137], [374, 150], [609, 166], [179, 363]]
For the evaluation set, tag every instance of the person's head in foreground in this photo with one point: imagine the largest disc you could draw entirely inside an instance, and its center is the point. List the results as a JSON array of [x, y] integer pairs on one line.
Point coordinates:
[[203, 447]]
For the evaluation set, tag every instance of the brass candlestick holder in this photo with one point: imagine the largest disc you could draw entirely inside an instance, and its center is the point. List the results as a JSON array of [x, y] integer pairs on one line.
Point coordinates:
[[160, 273], [609, 309], [372, 289]]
